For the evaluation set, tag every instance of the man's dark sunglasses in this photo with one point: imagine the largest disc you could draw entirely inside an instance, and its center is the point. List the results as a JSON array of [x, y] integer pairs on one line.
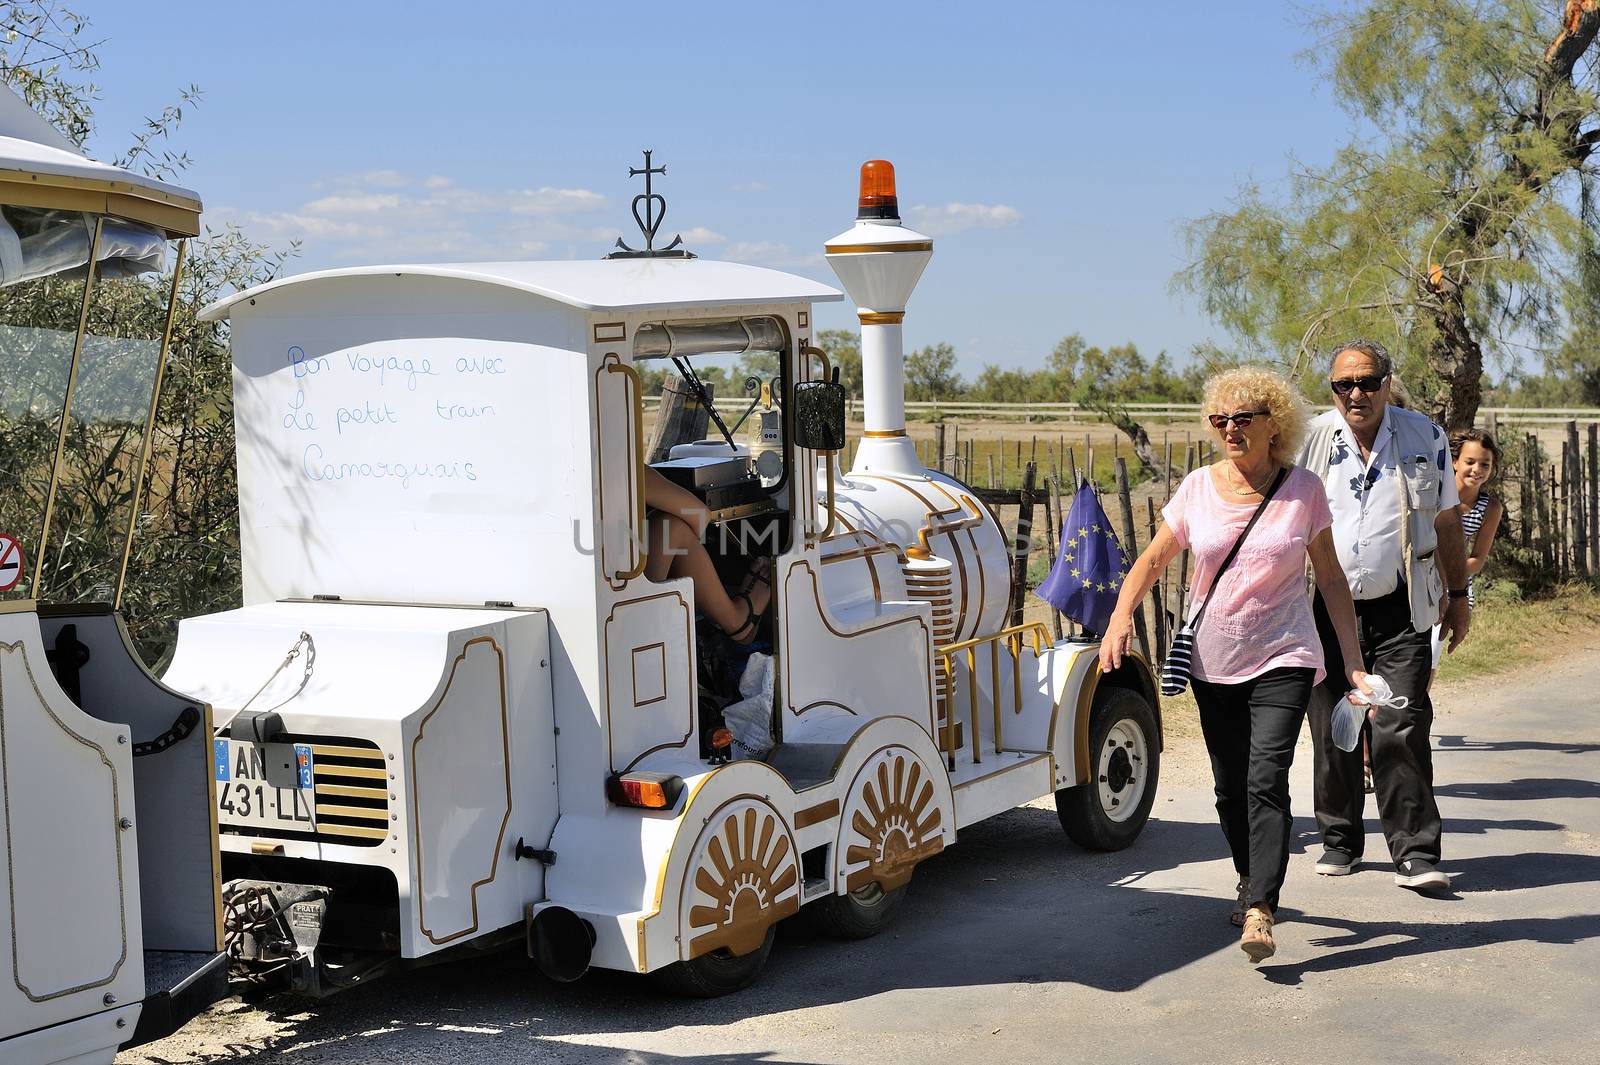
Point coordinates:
[[1368, 385], [1241, 419]]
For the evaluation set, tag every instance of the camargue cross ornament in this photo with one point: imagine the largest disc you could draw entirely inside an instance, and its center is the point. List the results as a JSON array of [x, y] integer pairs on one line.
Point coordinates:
[[654, 212]]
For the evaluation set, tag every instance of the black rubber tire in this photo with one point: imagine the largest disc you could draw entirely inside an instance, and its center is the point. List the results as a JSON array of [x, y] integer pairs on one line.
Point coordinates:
[[859, 914], [716, 974], [1086, 822]]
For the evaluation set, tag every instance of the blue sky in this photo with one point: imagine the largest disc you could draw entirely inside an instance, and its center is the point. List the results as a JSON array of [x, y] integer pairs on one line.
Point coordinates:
[[1053, 150]]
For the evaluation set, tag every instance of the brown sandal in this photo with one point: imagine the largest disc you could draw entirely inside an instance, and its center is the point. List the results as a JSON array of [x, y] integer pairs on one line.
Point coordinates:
[[1256, 941]]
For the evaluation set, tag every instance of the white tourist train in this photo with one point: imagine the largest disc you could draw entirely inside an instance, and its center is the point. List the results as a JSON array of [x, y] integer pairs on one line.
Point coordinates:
[[454, 710]]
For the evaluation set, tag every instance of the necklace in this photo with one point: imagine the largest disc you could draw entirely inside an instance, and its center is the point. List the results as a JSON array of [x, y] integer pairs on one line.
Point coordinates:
[[1248, 489]]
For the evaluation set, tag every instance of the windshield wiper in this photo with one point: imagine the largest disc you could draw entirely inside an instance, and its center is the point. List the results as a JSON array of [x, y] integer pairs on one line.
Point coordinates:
[[704, 396]]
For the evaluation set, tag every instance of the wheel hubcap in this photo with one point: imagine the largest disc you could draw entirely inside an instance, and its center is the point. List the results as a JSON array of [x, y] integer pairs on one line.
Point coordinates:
[[1120, 775]]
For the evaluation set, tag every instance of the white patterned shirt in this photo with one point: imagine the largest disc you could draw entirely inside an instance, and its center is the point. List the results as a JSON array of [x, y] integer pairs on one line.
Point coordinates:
[[1366, 503]]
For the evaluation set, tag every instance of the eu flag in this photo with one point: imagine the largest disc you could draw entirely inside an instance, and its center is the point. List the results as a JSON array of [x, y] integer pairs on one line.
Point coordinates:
[[1088, 572]]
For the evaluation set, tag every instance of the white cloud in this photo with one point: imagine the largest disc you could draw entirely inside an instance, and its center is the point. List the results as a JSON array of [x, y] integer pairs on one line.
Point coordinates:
[[954, 217], [556, 201], [385, 216], [376, 179], [767, 253], [751, 186], [369, 203], [702, 235]]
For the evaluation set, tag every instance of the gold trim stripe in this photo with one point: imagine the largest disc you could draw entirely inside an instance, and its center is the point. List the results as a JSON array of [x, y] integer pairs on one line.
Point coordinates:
[[813, 815], [367, 772], [346, 791], [869, 249], [881, 317], [356, 831], [360, 813], [177, 217], [883, 434], [330, 750]]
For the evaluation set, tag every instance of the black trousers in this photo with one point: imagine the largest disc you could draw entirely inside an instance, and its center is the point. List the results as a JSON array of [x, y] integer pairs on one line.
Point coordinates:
[[1402, 758], [1250, 730]]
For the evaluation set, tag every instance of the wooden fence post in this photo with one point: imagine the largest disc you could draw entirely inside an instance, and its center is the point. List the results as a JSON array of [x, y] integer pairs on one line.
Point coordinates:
[[1575, 507], [680, 419], [1052, 519], [1158, 596], [1525, 504], [1022, 546], [1061, 516], [1594, 497], [1130, 544]]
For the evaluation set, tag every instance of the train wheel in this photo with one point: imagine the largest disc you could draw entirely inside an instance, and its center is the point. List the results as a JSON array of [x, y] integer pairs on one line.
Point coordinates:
[[859, 914], [718, 973], [1109, 812]]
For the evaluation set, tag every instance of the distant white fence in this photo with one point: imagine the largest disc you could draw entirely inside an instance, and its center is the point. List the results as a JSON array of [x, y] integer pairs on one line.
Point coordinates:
[[1529, 417]]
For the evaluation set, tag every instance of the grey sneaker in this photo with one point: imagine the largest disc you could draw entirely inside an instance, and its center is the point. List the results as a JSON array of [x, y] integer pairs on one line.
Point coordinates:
[[1420, 875], [1335, 863]]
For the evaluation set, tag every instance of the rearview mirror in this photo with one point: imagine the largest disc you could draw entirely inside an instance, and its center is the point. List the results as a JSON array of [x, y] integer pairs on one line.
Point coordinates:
[[818, 409]]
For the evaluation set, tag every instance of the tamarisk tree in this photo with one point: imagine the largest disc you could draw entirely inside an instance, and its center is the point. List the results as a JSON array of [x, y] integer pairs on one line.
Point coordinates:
[[1459, 221]]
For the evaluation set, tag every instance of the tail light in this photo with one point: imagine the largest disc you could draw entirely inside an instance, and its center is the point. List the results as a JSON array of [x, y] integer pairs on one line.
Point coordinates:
[[650, 791]]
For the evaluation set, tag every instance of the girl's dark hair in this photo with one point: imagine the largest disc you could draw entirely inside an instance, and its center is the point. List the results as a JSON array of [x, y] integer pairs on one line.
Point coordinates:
[[1483, 438]]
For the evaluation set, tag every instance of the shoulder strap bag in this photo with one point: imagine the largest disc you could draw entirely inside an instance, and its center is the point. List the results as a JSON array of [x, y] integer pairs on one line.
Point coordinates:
[[1180, 657]]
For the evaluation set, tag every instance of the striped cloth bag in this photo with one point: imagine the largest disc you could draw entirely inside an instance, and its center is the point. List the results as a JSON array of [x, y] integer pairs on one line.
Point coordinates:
[[1175, 671]]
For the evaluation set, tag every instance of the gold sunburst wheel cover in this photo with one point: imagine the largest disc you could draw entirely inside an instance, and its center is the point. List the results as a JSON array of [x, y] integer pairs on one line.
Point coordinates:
[[894, 822], [746, 878]]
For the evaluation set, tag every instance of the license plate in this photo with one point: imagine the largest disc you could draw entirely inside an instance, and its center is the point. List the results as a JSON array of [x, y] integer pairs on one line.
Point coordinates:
[[265, 785]]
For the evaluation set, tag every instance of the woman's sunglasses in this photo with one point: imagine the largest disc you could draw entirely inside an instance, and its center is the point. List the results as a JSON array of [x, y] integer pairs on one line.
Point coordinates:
[[1368, 385], [1241, 419]]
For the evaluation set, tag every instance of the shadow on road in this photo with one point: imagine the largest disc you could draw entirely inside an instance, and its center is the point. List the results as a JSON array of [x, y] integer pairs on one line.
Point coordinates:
[[1403, 940], [1524, 788], [1477, 826], [1513, 872], [1013, 904], [1462, 743]]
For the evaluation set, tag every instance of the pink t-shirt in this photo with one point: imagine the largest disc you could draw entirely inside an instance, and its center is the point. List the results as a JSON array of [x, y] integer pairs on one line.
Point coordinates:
[[1260, 617]]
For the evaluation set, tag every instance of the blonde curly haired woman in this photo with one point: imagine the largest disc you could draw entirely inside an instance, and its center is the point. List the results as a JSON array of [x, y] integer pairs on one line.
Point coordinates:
[[1256, 654]]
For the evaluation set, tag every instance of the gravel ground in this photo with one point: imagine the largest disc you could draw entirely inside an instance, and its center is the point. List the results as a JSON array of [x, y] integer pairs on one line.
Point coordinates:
[[1015, 946]]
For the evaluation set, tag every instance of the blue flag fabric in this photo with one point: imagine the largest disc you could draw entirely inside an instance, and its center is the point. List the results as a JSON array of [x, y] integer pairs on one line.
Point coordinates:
[[1088, 573]]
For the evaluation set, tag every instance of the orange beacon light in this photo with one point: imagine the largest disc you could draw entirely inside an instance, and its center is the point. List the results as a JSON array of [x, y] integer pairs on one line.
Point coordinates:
[[877, 191]]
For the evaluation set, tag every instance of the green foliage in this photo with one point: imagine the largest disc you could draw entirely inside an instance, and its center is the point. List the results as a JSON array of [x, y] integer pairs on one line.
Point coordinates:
[[1457, 223], [931, 374], [44, 59], [844, 353], [185, 552]]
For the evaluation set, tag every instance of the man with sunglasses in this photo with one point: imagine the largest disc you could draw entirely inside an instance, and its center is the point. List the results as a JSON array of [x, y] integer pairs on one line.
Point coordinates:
[[1398, 535]]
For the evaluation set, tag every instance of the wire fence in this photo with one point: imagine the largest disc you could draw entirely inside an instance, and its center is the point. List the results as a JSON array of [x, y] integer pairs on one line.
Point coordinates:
[[1549, 483]]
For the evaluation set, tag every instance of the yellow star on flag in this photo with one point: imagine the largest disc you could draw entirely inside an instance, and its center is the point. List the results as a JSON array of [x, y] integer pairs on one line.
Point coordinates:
[[1083, 532], [1074, 573]]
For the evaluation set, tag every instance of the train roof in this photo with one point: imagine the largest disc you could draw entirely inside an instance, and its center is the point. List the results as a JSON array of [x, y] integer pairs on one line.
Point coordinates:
[[592, 285], [39, 167]]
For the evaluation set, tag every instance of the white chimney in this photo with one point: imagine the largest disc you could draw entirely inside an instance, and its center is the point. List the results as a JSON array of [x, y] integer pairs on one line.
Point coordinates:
[[879, 262]]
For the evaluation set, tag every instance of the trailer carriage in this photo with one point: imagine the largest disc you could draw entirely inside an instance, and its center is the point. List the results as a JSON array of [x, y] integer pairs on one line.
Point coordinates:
[[109, 894], [454, 711]]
